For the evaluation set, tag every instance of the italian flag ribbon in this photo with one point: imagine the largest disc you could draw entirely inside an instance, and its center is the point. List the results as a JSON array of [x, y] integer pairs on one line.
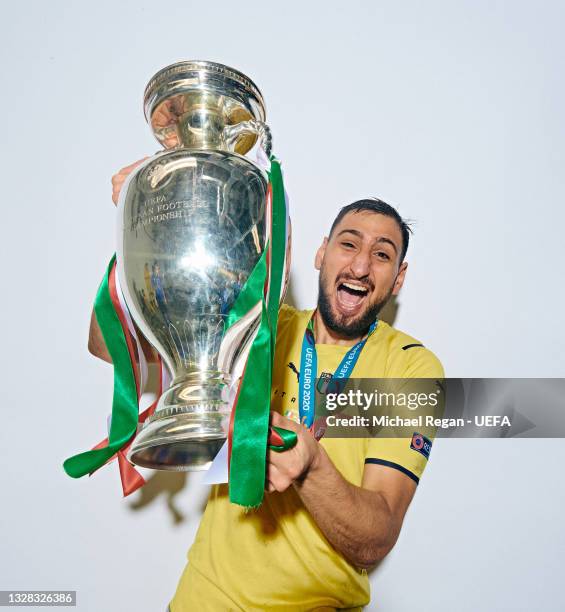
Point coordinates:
[[112, 318], [249, 427]]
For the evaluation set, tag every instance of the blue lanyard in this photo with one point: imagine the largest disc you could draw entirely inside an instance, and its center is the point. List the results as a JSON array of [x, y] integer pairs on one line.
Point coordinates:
[[309, 371]]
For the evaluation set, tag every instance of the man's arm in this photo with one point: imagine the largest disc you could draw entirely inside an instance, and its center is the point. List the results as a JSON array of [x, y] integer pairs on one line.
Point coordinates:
[[96, 344], [362, 523]]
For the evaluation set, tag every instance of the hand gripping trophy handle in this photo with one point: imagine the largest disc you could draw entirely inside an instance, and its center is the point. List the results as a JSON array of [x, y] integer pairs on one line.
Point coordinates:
[[232, 134]]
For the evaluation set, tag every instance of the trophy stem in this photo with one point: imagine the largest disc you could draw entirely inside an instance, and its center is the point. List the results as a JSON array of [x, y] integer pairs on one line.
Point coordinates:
[[189, 426]]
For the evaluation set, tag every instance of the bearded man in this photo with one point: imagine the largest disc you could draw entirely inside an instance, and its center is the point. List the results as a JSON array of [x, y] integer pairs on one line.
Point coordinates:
[[334, 507]]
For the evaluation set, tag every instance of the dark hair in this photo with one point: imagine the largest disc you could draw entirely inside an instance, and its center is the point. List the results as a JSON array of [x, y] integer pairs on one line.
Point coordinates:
[[381, 208]]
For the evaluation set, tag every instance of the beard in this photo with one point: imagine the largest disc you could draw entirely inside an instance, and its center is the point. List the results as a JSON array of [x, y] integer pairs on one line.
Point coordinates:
[[348, 328]]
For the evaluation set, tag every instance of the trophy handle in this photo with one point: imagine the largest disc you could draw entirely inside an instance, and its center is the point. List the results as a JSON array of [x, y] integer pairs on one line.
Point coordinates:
[[232, 133]]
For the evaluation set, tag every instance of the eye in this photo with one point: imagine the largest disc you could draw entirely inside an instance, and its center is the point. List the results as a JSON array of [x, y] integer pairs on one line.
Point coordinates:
[[348, 245], [382, 255]]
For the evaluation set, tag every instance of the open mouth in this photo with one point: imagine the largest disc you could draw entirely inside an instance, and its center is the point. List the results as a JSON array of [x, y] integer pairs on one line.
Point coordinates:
[[350, 297]]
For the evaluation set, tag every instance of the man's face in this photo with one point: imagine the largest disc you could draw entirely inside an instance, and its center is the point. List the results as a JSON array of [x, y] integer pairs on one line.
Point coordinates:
[[359, 270]]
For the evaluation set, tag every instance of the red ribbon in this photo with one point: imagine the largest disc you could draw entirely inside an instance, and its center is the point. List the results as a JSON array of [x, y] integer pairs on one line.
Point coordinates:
[[130, 478]]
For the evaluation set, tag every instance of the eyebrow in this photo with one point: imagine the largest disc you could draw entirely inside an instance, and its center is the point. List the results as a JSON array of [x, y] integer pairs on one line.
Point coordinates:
[[379, 239]]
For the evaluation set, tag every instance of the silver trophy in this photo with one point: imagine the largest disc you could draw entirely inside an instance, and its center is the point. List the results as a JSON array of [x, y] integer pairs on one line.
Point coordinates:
[[193, 222]]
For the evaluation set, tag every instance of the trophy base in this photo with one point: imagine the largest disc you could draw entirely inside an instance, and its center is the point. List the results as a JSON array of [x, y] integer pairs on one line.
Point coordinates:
[[179, 441]]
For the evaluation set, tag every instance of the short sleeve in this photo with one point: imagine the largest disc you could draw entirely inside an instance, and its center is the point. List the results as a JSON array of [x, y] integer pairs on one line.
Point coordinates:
[[408, 455], [420, 363]]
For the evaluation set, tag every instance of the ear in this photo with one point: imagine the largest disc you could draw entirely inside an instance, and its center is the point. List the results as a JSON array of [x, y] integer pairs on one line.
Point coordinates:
[[320, 254], [400, 278]]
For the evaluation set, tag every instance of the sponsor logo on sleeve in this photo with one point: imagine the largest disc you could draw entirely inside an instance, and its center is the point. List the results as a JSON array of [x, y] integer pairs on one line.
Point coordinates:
[[421, 444]]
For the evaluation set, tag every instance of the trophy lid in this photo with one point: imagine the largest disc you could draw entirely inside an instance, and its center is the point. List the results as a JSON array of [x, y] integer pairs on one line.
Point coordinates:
[[195, 76]]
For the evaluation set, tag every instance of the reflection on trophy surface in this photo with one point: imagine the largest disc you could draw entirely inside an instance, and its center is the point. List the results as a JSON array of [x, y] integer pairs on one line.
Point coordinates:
[[193, 222]]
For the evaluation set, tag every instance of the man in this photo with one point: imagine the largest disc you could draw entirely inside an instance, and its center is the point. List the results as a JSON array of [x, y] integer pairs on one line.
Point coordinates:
[[334, 507]]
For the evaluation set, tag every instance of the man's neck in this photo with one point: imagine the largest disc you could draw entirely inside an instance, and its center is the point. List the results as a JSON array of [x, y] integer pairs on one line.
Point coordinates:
[[324, 335]]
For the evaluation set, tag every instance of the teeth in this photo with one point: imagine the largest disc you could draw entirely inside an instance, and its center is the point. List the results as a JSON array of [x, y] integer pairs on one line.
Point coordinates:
[[355, 287]]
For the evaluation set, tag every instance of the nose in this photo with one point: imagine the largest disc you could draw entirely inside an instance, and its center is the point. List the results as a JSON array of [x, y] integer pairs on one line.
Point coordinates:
[[361, 263]]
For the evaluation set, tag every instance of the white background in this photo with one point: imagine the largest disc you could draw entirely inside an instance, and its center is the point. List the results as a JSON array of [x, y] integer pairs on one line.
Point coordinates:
[[452, 111]]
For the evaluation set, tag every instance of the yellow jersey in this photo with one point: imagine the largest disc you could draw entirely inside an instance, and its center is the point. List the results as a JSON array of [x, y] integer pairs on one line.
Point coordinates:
[[275, 557]]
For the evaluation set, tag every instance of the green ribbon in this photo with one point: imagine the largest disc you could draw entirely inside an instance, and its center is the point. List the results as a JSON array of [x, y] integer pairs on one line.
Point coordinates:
[[252, 412], [251, 293], [125, 406], [288, 437]]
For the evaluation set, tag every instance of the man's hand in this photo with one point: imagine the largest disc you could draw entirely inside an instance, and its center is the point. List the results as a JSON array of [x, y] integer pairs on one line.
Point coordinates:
[[284, 468], [120, 177], [165, 119], [362, 523]]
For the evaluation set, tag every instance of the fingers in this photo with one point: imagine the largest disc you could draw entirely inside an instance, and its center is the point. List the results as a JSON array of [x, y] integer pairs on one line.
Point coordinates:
[[127, 169], [276, 479], [120, 177], [286, 467], [290, 464], [171, 141], [117, 183], [281, 421], [162, 118]]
